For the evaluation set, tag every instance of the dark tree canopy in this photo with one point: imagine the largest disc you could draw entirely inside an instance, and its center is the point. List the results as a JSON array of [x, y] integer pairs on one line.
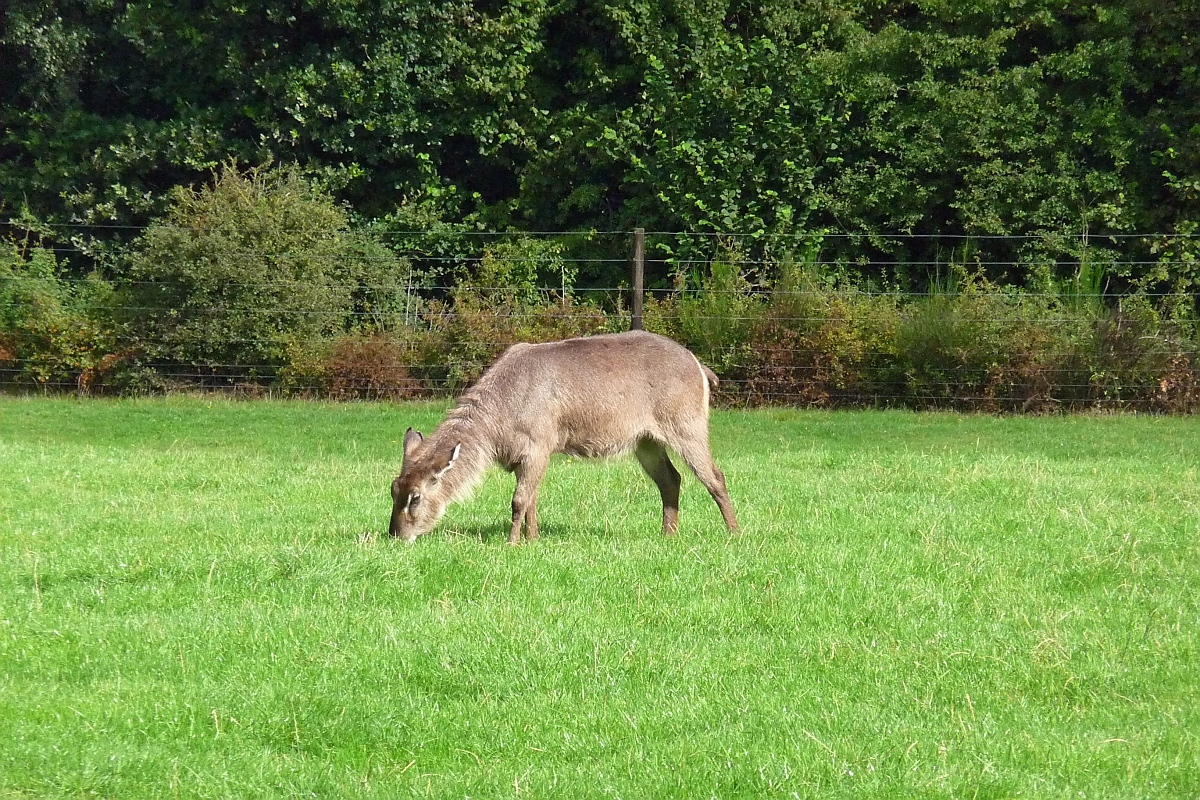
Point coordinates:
[[981, 117]]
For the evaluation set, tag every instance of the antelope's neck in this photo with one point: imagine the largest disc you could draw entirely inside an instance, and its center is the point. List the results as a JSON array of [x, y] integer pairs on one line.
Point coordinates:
[[474, 456]]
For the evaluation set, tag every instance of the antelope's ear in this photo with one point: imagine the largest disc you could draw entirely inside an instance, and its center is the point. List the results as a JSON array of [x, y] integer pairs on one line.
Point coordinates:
[[412, 439], [449, 462]]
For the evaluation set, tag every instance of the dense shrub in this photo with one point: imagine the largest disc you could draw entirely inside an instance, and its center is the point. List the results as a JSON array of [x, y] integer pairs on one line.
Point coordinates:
[[1138, 360], [241, 270], [501, 303], [968, 345], [353, 366], [822, 345], [976, 347], [466, 335], [717, 312], [53, 331]]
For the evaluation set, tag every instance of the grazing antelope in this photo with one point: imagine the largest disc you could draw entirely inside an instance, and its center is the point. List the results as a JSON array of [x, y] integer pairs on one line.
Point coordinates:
[[593, 397]]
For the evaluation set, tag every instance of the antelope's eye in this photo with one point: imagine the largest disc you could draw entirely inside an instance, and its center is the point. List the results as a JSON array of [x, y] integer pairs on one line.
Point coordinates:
[[413, 500]]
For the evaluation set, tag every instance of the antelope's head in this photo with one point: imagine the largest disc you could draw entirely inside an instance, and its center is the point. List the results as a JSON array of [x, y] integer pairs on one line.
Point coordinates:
[[419, 493]]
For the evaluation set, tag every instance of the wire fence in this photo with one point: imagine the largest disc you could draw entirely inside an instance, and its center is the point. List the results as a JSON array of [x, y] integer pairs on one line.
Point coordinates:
[[831, 335]]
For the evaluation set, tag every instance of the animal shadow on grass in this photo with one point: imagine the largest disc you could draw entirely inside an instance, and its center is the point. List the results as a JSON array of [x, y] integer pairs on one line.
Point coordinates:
[[487, 533], [492, 533]]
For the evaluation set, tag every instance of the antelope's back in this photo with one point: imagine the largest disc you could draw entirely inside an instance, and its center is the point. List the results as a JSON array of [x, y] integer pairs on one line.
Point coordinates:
[[598, 395]]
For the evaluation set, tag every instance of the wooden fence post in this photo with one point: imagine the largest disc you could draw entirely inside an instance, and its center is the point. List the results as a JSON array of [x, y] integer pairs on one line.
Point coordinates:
[[639, 275]]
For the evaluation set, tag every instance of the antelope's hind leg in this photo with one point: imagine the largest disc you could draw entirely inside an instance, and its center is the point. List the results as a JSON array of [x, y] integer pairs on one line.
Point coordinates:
[[653, 457], [694, 450]]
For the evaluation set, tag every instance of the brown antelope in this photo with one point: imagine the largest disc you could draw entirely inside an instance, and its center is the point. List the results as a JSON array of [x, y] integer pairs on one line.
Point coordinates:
[[592, 397]]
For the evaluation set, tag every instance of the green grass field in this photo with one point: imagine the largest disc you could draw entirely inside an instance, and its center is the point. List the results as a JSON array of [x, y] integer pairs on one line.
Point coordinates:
[[196, 600]]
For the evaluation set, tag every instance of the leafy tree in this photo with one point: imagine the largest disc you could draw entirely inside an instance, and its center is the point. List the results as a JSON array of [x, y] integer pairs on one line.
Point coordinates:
[[241, 271], [979, 118], [107, 105]]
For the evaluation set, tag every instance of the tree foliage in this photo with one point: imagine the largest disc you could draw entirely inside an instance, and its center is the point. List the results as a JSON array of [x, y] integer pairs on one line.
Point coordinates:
[[986, 117]]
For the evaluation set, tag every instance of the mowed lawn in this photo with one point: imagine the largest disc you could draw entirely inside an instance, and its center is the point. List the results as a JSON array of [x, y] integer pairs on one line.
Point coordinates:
[[198, 599]]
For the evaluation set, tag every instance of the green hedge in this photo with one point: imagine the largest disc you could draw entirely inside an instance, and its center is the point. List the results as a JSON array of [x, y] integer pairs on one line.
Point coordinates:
[[974, 348]]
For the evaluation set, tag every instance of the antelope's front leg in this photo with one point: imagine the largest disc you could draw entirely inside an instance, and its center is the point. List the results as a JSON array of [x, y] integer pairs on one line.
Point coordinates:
[[514, 535], [531, 529], [524, 503]]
